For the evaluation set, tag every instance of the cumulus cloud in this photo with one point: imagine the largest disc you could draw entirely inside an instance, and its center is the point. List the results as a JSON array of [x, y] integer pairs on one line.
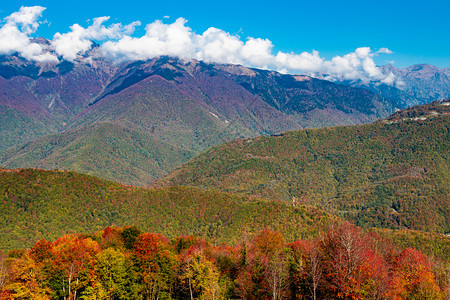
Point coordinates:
[[117, 42], [358, 65], [303, 62], [216, 45], [79, 39], [15, 35], [258, 52], [160, 39]]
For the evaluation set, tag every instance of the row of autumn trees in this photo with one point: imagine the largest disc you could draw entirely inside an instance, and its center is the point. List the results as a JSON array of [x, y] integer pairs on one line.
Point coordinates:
[[124, 263]]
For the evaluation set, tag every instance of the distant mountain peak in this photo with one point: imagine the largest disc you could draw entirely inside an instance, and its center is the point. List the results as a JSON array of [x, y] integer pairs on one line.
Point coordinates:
[[423, 70], [41, 41], [238, 70]]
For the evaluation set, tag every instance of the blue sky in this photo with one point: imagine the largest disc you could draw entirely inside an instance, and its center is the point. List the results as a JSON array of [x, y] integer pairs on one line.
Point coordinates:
[[416, 31]]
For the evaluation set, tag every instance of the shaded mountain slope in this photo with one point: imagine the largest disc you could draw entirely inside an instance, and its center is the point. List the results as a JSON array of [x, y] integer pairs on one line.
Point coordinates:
[[386, 174], [109, 150], [157, 106], [313, 102], [173, 87]]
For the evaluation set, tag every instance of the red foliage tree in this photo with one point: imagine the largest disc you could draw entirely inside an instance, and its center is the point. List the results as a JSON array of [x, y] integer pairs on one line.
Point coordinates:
[[41, 251], [111, 237], [353, 270], [157, 264], [413, 277], [74, 254]]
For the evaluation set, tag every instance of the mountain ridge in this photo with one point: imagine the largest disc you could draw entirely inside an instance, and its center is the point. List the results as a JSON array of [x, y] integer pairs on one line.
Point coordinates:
[[414, 85], [37, 204], [188, 105], [391, 173]]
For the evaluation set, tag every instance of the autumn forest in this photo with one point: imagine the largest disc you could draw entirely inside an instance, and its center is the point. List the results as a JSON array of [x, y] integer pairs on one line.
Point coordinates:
[[168, 178], [343, 262]]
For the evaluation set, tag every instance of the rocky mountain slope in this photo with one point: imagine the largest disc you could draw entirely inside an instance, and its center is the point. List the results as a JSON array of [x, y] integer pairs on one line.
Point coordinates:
[[415, 85]]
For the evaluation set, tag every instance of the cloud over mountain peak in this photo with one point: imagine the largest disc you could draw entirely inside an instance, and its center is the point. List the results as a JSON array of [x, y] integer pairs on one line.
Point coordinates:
[[118, 42]]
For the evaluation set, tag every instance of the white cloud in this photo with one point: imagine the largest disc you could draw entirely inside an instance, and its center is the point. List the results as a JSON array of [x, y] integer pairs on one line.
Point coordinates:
[[216, 45], [15, 35], [258, 52], [389, 79], [385, 51], [358, 65], [178, 40], [79, 39], [27, 18], [300, 63], [160, 39]]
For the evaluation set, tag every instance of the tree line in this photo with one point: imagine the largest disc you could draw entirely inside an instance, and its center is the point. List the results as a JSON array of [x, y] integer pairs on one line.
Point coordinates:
[[343, 262]]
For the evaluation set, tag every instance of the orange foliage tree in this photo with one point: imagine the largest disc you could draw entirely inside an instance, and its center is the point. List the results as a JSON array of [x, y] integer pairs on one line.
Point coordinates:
[[413, 277], [157, 264], [74, 255]]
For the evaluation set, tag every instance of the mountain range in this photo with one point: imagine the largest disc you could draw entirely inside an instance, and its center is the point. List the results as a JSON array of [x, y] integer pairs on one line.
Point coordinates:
[[415, 85], [393, 173], [49, 110], [137, 121]]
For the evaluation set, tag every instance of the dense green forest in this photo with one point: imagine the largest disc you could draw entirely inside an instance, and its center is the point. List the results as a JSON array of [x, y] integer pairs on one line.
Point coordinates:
[[107, 150], [41, 204], [37, 204], [263, 218], [393, 173], [343, 262]]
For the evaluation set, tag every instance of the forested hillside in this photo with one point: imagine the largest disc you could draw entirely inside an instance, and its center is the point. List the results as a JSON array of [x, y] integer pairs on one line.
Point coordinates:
[[54, 113], [109, 150], [392, 173], [37, 204]]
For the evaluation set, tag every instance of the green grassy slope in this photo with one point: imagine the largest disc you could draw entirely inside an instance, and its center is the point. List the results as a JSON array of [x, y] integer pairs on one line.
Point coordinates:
[[392, 174], [37, 204]]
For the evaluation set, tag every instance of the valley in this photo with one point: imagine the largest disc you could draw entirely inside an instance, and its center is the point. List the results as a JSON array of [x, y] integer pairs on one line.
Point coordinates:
[[215, 151]]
